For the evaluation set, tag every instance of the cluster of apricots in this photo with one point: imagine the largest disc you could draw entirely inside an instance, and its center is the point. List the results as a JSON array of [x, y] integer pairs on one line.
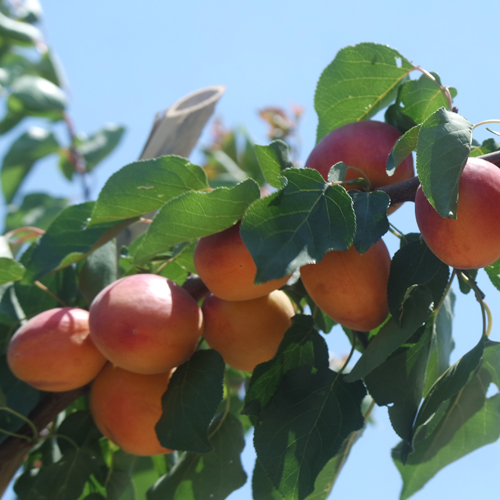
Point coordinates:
[[141, 327]]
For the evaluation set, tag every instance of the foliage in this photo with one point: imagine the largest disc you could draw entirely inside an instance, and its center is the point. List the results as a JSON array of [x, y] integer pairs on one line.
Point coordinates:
[[306, 415]]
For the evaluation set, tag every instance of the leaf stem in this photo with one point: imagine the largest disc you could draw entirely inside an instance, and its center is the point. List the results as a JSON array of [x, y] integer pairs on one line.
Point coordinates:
[[445, 293], [485, 122], [52, 294], [36, 435], [485, 310]]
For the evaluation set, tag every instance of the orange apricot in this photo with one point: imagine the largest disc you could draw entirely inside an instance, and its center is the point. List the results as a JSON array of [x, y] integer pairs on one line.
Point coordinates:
[[145, 323], [225, 265], [365, 145], [351, 287], [53, 351], [247, 332], [126, 407], [472, 240]]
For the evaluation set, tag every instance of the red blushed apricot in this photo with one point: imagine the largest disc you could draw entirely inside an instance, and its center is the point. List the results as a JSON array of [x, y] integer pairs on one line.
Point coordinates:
[[225, 265], [145, 323], [126, 407], [472, 240], [53, 351], [351, 287], [247, 332], [365, 145]]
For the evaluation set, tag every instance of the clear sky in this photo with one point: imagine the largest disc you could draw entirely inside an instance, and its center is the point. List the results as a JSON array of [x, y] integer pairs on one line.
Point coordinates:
[[126, 60]]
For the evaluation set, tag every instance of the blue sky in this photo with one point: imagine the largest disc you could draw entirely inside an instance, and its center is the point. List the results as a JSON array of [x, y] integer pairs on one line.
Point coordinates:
[[125, 60]]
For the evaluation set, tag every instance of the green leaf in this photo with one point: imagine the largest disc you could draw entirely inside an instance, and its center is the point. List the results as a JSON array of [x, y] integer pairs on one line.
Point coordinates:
[[442, 342], [466, 423], [304, 425], [99, 270], [493, 272], [68, 240], [393, 334], [33, 95], [50, 68], [194, 215], [371, 217], [488, 146], [443, 146], [144, 186], [297, 225], [399, 381], [395, 116], [99, 145], [34, 144], [272, 160], [10, 270], [301, 345], [423, 97], [18, 32], [450, 383], [357, 84], [212, 476], [9, 121], [189, 405], [36, 209], [21, 398], [403, 148], [412, 265]]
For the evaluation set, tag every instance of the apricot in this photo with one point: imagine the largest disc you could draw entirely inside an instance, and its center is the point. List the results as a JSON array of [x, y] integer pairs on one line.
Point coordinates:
[[247, 332], [365, 145], [145, 323], [225, 265], [472, 240], [351, 287], [126, 407], [53, 351]]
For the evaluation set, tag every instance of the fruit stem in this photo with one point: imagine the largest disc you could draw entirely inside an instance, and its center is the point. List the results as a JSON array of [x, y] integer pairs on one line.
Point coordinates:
[[46, 290], [489, 315], [442, 88], [36, 435]]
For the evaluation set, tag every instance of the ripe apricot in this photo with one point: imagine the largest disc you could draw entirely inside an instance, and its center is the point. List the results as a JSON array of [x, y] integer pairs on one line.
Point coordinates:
[[126, 407], [53, 351], [472, 240], [247, 332], [365, 145], [351, 287], [225, 265], [145, 323]]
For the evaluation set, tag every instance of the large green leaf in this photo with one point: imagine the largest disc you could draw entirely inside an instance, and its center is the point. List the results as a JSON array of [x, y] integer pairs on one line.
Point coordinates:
[[304, 425], [371, 217], [144, 186], [68, 240], [444, 144], [194, 215], [297, 225], [10, 270], [33, 95], [36, 209], [423, 97], [393, 334], [414, 264], [34, 144], [463, 425], [100, 144], [272, 160], [18, 32], [189, 405], [211, 476], [301, 345], [403, 148], [357, 84]]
